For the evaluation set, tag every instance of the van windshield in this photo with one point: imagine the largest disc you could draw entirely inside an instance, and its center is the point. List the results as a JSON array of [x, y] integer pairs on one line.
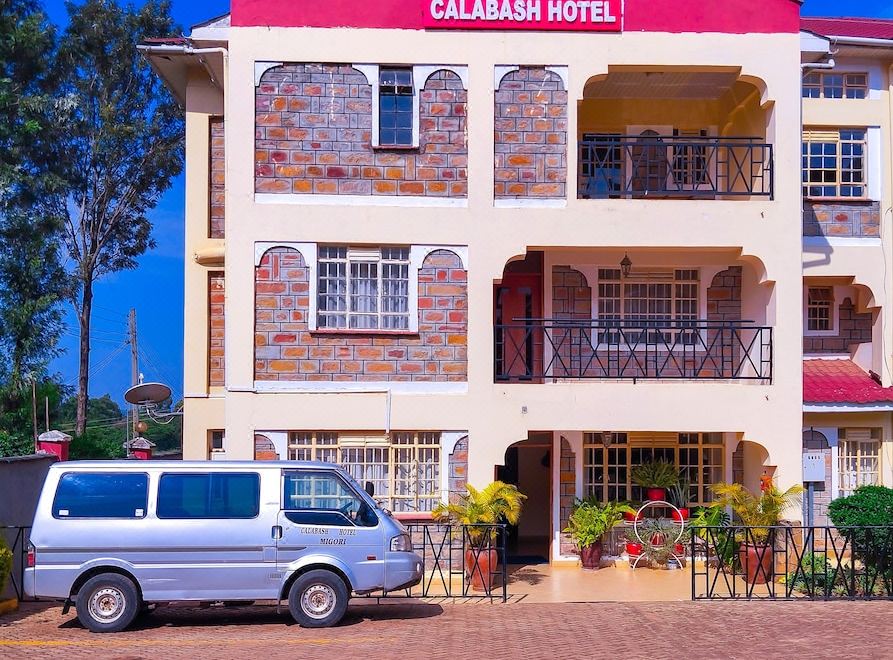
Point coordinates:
[[325, 492]]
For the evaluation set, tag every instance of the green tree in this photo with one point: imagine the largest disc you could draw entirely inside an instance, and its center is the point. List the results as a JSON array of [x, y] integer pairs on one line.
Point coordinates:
[[121, 147], [32, 280], [105, 430]]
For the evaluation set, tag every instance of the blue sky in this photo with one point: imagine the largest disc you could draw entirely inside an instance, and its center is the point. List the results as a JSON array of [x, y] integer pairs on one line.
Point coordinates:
[[155, 289]]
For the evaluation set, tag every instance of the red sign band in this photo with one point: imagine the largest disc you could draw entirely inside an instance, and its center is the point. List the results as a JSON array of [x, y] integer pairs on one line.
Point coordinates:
[[571, 15]]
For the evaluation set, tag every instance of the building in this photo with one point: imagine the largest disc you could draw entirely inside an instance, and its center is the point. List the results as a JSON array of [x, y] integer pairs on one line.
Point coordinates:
[[543, 241]]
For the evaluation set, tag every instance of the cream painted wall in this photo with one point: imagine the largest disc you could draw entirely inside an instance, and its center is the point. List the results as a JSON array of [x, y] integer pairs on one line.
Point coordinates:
[[762, 231]]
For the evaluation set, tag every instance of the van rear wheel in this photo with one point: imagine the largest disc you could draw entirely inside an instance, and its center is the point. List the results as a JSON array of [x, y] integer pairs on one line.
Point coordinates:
[[107, 603], [318, 599]]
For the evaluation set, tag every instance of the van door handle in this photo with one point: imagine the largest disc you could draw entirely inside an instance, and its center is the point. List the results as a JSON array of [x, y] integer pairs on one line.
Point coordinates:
[[277, 532]]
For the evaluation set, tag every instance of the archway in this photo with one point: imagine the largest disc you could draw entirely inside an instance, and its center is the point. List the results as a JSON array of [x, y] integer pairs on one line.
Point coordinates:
[[528, 466]]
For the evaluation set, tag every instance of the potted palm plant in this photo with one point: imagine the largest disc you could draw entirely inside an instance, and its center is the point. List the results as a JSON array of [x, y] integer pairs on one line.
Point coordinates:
[[587, 525], [655, 477], [679, 497], [758, 514], [499, 502]]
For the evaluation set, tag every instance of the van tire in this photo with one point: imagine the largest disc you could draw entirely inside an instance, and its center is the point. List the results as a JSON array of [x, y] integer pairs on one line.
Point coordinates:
[[318, 599], [108, 602]]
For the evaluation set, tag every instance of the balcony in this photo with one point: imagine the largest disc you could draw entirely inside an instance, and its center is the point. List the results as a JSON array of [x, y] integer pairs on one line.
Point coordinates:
[[535, 350], [655, 166]]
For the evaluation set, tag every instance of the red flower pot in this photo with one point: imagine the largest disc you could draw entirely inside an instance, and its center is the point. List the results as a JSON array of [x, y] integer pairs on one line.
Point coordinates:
[[480, 565], [632, 517], [680, 515], [656, 494], [633, 549], [756, 562], [591, 556], [679, 549]]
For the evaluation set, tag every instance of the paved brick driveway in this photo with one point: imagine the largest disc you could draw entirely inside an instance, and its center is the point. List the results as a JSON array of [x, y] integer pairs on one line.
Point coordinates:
[[482, 631]]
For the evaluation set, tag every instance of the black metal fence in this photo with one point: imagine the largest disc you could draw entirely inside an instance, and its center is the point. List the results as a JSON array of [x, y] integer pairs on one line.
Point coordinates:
[[17, 538], [787, 562], [467, 561], [535, 349], [639, 166]]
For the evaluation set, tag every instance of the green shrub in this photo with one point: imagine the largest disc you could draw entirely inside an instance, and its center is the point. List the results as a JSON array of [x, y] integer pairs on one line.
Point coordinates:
[[5, 563], [867, 506]]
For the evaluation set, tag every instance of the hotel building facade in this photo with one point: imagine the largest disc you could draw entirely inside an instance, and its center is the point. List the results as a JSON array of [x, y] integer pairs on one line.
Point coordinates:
[[543, 241]]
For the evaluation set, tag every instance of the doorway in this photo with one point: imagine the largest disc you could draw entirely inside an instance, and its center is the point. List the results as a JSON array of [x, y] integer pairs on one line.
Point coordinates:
[[518, 304], [528, 465]]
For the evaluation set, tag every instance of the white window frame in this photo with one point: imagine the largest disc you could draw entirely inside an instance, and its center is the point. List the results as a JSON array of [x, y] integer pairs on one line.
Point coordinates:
[[843, 74], [420, 75], [356, 257], [875, 436], [333, 447], [870, 173], [211, 448], [640, 276], [834, 316]]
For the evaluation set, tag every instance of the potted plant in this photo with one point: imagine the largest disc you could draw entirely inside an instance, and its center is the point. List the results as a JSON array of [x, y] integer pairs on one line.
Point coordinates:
[[758, 515], [634, 546], [588, 523], [655, 477], [679, 497], [499, 502], [632, 515], [660, 541]]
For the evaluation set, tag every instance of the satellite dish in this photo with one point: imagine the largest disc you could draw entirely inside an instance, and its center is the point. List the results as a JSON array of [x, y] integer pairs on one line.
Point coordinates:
[[146, 394]]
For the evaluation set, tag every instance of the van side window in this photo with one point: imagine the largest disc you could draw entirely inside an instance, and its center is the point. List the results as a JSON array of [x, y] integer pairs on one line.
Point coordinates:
[[101, 495], [322, 498], [209, 495]]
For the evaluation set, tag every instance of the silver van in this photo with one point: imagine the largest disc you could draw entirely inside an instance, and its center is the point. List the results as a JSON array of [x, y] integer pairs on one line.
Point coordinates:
[[117, 537]]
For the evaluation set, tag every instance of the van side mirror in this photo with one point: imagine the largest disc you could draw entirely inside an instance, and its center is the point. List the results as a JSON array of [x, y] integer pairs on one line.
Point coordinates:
[[369, 487]]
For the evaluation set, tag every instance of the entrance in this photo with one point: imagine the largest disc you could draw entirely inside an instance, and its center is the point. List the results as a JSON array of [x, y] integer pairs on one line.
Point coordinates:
[[528, 466], [518, 301]]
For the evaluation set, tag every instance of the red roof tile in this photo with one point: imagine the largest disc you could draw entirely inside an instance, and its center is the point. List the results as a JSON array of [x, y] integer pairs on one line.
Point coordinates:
[[841, 381], [871, 28]]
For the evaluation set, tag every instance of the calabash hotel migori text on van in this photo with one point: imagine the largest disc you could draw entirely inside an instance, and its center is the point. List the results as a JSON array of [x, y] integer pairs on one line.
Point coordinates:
[[524, 11]]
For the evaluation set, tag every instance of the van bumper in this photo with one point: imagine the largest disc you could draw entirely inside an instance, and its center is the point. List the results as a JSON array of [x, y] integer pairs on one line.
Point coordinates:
[[404, 570], [29, 583]]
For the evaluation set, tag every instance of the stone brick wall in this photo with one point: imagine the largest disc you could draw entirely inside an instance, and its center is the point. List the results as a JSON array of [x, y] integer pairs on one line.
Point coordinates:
[[853, 328], [216, 329], [217, 183], [724, 295], [314, 136], [458, 469], [286, 350], [849, 219], [568, 484], [571, 299], [531, 135], [264, 449]]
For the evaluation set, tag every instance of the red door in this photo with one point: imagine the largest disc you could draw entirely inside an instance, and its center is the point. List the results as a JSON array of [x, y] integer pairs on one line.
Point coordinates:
[[519, 332]]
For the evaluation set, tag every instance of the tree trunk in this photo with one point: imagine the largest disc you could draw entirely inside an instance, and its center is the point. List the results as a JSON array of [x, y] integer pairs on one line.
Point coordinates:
[[84, 355]]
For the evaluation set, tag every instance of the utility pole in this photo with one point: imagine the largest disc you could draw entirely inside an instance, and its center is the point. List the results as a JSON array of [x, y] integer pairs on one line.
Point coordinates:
[[134, 365]]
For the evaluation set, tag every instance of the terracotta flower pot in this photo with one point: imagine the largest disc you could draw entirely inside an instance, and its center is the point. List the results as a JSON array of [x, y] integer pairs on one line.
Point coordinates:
[[633, 548], [480, 565], [656, 494], [756, 562], [679, 516], [632, 516], [591, 556]]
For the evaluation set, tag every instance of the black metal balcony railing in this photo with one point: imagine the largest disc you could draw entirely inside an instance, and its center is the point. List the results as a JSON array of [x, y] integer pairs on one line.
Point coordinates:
[[615, 166], [530, 350]]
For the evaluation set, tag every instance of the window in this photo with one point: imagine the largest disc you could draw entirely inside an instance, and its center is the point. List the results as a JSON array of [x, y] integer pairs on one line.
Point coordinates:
[[667, 301], [101, 495], [607, 470], [209, 495], [404, 469], [323, 498], [819, 85], [363, 288], [834, 163], [216, 440], [395, 107], [690, 160], [820, 309], [859, 458]]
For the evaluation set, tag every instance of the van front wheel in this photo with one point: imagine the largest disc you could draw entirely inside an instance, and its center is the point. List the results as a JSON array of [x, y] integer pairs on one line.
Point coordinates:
[[318, 599], [107, 603]]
